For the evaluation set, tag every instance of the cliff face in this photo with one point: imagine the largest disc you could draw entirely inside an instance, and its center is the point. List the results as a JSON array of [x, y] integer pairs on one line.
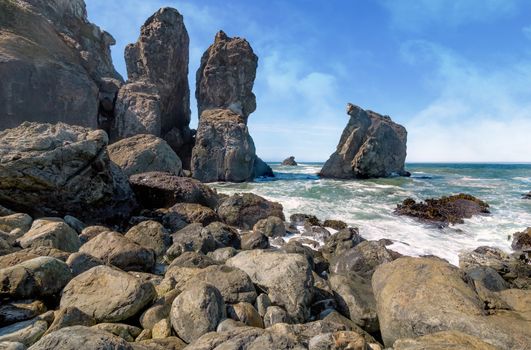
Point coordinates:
[[371, 145], [224, 149], [55, 65]]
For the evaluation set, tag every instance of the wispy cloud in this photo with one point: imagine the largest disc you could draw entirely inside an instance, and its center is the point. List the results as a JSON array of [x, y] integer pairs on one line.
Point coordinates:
[[479, 114], [415, 15]]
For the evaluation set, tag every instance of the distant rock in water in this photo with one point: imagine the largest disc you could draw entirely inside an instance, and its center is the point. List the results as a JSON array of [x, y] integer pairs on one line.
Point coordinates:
[[54, 170], [289, 161], [527, 195], [55, 65], [371, 145], [522, 240], [444, 210], [156, 99], [224, 150]]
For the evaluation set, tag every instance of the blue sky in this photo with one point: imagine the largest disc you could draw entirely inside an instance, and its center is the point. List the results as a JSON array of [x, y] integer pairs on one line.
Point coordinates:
[[456, 74]]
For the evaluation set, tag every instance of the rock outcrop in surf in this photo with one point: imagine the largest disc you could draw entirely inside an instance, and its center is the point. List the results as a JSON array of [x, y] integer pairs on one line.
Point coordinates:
[[371, 145], [224, 149]]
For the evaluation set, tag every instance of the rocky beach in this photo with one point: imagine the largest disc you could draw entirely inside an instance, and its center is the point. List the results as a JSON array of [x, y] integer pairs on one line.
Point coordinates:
[[122, 227]]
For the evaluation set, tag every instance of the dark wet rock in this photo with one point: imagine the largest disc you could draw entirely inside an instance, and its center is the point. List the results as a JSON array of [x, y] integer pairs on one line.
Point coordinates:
[[522, 240], [56, 65], [316, 233], [289, 161], [151, 235], [192, 259], [163, 190], [304, 219], [420, 296], [261, 169], [444, 210], [272, 226], [335, 224], [341, 242], [42, 276], [21, 310], [55, 170], [527, 195], [371, 145], [75, 223], [224, 235], [193, 238], [245, 210], [115, 249], [202, 303], [107, 294], [363, 259], [224, 150], [287, 278], [144, 153], [81, 337], [51, 232], [226, 76], [254, 240], [193, 213]]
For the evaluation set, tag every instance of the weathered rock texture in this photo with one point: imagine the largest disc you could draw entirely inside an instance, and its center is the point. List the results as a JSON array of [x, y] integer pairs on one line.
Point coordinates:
[[289, 161], [224, 150], [55, 65], [371, 146], [156, 99], [54, 170]]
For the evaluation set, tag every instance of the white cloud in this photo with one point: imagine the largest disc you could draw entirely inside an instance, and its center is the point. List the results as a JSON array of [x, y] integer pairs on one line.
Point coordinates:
[[479, 115], [415, 15]]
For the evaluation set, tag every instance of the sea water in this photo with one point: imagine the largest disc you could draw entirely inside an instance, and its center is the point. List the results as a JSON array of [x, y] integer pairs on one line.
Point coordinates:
[[369, 204]]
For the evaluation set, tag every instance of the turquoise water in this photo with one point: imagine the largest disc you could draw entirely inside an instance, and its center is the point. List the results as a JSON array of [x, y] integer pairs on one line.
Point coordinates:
[[369, 204]]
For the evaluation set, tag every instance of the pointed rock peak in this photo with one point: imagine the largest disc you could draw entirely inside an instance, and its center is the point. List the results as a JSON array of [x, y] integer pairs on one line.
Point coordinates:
[[352, 109], [221, 36]]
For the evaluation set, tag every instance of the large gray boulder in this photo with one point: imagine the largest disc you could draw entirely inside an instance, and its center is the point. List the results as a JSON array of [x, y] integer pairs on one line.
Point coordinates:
[[42, 276], [420, 296], [224, 150], [58, 169], [55, 64], [81, 337], [196, 311], [156, 99], [226, 76], [107, 294], [143, 153], [371, 145], [246, 209], [287, 278]]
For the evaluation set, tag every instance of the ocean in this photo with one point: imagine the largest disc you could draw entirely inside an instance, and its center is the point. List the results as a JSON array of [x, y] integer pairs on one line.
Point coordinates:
[[369, 204]]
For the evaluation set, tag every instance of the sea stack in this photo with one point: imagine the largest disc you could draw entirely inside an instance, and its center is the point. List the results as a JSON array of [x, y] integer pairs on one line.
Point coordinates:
[[290, 161], [156, 98], [371, 146], [224, 150], [55, 66]]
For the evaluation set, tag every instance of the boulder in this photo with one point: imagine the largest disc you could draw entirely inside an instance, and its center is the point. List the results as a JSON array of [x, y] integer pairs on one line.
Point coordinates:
[[107, 294], [371, 145], [51, 232], [16, 221], [444, 210], [150, 235], [340, 242], [42, 276], [224, 150], [299, 219], [160, 57], [92, 231], [75, 223], [192, 213], [16, 258], [224, 235], [144, 153], [81, 337], [193, 238], [192, 259], [170, 343], [443, 340], [69, 316], [159, 310], [163, 190], [226, 76], [26, 332], [274, 315], [261, 169], [254, 240], [22, 310], [245, 313], [286, 278], [522, 240], [221, 255], [335, 224], [81, 262], [245, 210], [124, 331], [290, 161], [115, 249], [56, 65], [420, 296], [339, 340], [272, 226], [59, 169], [527, 195], [11, 345], [201, 303]]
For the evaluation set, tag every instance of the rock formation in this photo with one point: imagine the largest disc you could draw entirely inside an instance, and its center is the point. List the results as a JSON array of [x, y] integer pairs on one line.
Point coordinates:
[[224, 150], [289, 161], [55, 65], [51, 170], [156, 98], [371, 145]]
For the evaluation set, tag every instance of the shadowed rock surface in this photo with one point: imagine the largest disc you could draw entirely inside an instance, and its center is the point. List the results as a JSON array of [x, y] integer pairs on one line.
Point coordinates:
[[444, 210], [371, 145], [289, 161], [55, 64]]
